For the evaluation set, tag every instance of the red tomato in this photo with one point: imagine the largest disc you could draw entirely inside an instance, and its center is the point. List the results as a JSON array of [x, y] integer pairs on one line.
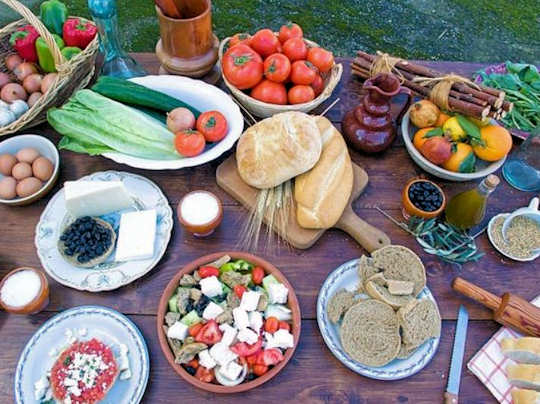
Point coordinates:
[[205, 272], [290, 30], [194, 363], [271, 325], [260, 370], [268, 91], [300, 94], [318, 85], [321, 59], [269, 357], [204, 374], [252, 359], [246, 350], [213, 125], [209, 334], [239, 290], [264, 42], [277, 67], [283, 325], [242, 66], [242, 37], [194, 329], [303, 72], [295, 49], [189, 143], [257, 275]]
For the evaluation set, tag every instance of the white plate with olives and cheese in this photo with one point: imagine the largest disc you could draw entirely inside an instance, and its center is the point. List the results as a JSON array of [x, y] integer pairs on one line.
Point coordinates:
[[103, 231]]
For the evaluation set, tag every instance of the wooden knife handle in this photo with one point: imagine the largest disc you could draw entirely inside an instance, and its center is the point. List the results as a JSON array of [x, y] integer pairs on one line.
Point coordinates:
[[476, 293], [365, 234], [450, 398]]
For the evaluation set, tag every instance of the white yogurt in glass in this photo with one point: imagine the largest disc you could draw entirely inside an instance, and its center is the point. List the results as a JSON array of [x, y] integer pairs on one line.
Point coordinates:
[[21, 288]]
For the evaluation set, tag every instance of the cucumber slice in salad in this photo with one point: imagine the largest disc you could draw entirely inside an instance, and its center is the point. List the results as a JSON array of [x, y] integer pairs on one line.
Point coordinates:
[[191, 318]]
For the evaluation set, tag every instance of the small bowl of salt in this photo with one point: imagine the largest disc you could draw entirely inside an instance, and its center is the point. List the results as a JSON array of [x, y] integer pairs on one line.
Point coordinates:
[[24, 291]]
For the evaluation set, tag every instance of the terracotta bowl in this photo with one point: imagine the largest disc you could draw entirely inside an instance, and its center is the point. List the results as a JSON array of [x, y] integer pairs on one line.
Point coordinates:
[[412, 210], [35, 306], [191, 267]]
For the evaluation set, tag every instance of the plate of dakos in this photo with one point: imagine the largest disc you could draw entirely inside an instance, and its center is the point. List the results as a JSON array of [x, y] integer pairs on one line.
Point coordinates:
[[228, 322], [85, 354], [378, 317]]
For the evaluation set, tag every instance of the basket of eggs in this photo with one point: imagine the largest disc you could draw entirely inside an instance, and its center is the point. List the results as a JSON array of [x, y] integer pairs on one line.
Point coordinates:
[[43, 60], [270, 72]]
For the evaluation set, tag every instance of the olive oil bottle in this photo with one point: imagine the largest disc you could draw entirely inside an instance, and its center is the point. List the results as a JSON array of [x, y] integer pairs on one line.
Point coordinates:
[[467, 209]]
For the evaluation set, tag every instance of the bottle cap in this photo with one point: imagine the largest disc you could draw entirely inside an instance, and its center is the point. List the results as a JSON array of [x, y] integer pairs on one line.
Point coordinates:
[[492, 181]]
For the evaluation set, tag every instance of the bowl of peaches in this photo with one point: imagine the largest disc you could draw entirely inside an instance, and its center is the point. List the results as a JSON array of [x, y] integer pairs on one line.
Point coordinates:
[[452, 146]]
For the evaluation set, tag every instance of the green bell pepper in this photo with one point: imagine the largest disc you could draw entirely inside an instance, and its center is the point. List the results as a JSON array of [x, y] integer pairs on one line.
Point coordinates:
[[53, 14], [70, 51], [45, 58]]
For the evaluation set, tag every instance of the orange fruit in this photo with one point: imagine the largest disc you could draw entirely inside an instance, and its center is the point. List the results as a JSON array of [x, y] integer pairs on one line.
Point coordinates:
[[442, 119], [419, 139], [462, 159], [497, 143]]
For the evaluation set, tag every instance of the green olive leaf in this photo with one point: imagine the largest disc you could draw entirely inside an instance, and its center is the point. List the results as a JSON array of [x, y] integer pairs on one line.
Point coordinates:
[[467, 165], [434, 133]]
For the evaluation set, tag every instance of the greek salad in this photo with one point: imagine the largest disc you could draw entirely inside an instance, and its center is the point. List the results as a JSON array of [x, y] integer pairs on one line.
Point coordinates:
[[228, 322]]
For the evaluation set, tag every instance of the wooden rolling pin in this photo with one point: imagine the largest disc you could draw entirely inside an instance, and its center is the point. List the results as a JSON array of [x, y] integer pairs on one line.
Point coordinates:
[[509, 310]]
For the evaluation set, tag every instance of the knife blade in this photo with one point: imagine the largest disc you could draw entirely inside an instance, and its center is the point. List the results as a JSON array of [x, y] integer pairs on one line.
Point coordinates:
[[454, 377]]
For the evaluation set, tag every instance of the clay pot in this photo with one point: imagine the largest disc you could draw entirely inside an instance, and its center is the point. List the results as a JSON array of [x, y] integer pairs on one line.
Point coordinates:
[[410, 209], [35, 306]]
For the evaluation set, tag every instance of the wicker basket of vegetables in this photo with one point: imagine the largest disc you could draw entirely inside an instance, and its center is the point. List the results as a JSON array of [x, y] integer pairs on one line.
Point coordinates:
[[42, 62]]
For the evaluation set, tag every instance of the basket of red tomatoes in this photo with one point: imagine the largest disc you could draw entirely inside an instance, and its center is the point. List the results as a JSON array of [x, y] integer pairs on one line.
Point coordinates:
[[271, 72]]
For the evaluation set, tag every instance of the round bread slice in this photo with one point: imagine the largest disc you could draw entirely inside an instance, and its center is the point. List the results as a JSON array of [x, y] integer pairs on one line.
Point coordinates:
[[380, 292], [339, 303], [366, 269], [370, 333], [419, 320], [402, 264]]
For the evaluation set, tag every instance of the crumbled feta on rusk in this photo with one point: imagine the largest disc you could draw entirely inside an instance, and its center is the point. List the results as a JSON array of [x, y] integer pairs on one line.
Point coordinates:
[[255, 320], [212, 311], [250, 300], [178, 331], [277, 293], [229, 333], [280, 339], [232, 370], [211, 286], [221, 353], [247, 336], [241, 319], [206, 360]]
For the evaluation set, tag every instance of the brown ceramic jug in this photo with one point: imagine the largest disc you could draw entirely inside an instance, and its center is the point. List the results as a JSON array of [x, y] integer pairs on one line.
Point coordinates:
[[369, 127]]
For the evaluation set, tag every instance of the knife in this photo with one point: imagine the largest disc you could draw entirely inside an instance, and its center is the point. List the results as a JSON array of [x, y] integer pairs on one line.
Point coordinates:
[[454, 377]]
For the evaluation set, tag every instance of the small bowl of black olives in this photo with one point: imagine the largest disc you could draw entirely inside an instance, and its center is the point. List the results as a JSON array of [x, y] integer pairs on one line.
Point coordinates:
[[422, 198]]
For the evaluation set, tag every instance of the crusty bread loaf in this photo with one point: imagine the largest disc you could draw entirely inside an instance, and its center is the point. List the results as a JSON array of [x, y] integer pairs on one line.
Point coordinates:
[[322, 193], [377, 290], [419, 320], [522, 396], [524, 376], [339, 303], [522, 350], [277, 149], [370, 333]]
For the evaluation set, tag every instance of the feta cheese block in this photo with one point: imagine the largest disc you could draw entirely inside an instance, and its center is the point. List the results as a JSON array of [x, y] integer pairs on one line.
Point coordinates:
[[221, 353], [136, 236], [178, 331], [255, 320], [241, 319], [229, 334], [280, 339], [212, 311], [277, 293], [95, 198], [250, 300], [248, 336], [211, 286], [206, 360], [232, 370]]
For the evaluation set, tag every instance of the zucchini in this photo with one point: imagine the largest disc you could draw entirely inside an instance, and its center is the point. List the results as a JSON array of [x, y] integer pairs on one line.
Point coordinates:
[[131, 93]]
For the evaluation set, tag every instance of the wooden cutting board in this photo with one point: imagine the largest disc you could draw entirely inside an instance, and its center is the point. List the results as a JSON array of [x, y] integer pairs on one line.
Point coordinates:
[[366, 235]]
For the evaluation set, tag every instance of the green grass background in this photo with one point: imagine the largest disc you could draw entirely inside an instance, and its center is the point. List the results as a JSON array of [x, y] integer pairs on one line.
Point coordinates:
[[471, 30]]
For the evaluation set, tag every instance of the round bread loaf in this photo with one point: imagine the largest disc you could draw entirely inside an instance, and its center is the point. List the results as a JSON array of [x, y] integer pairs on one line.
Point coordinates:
[[277, 149], [420, 320], [370, 333]]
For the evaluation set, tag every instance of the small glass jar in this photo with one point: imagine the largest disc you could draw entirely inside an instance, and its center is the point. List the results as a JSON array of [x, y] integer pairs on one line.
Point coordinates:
[[34, 305], [200, 212]]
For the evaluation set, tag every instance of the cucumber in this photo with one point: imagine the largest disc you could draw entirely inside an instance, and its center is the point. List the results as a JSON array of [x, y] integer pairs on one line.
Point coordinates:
[[131, 93], [191, 318], [267, 281], [173, 306], [152, 113]]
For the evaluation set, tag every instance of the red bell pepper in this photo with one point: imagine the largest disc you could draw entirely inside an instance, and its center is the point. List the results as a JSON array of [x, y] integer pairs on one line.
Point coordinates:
[[24, 42], [78, 32]]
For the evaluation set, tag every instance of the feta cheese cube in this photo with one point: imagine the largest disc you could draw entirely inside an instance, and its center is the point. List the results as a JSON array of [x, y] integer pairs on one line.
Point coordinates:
[[206, 360], [250, 300], [280, 339], [232, 370], [178, 331], [255, 320], [212, 311], [248, 336], [277, 293], [221, 353], [241, 319], [136, 235], [211, 286], [229, 334], [95, 198]]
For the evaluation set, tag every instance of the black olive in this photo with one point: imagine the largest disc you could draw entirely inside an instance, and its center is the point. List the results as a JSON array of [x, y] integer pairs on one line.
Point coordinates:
[[251, 376], [191, 370]]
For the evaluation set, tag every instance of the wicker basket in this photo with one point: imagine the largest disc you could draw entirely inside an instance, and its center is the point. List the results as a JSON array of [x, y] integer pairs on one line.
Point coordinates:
[[72, 75], [265, 110]]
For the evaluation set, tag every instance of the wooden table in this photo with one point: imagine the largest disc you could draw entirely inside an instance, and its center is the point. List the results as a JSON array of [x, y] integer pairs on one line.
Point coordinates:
[[314, 374]]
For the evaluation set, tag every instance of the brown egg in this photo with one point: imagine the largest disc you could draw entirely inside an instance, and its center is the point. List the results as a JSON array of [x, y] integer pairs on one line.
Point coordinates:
[[21, 171], [27, 155], [42, 168], [7, 188], [7, 161], [28, 186]]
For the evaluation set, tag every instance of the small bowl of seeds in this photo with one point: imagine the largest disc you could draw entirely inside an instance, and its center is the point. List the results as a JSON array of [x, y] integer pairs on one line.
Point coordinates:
[[522, 237]]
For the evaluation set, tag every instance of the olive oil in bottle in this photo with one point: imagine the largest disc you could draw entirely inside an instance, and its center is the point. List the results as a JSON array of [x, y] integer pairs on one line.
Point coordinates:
[[467, 209]]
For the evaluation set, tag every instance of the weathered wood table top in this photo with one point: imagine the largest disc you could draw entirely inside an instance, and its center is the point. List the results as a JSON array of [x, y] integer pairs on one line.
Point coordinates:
[[314, 374]]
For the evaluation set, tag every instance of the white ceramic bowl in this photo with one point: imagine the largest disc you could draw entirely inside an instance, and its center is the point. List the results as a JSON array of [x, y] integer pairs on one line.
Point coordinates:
[[483, 168], [490, 236], [45, 148]]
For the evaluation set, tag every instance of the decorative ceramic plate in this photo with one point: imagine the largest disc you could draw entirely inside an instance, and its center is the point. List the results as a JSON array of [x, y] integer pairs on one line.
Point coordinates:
[[202, 96], [110, 274], [85, 323], [345, 276]]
